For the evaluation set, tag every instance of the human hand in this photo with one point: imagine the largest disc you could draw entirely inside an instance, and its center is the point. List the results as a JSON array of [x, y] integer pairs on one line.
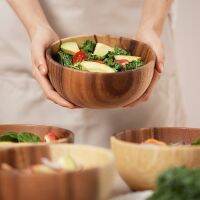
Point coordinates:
[[41, 38], [150, 37]]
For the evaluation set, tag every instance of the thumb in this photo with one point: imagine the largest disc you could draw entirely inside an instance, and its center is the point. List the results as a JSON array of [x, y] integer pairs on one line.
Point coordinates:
[[38, 57]]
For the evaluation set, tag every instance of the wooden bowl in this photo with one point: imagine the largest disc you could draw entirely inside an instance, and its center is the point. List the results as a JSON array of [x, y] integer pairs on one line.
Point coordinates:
[[140, 165], [102, 90], [94, 182], [63, 135]]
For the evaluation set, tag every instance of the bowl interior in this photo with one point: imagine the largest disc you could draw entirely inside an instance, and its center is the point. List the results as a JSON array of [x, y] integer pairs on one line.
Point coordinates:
[[168, 135], [134, 47], [63, 135]]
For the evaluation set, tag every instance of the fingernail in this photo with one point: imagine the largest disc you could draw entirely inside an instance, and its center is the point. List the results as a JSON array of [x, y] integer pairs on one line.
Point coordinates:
[[41, 69]]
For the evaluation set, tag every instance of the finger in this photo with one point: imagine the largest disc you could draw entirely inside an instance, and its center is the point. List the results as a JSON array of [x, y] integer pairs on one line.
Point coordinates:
[[38, 58], [50, 92], [159, 51], [148, 92]]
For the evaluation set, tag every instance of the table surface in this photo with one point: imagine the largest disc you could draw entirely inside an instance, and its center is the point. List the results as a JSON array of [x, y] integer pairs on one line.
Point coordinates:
[[122, 192]]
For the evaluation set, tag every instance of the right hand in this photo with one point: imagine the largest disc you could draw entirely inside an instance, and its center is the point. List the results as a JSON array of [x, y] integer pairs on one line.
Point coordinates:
[[42, 37]]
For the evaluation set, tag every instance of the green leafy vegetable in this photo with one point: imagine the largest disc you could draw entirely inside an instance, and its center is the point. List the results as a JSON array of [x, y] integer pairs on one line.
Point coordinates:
[[28, 137], [178, 184], [64, 58], [19, 137], [88, 46], [92, 56], [120, 51], [9, 137], [196, 142], [109, 60], [134, 64]]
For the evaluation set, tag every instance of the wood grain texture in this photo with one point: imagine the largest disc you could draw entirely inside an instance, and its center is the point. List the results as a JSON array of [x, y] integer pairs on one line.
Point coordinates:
[[140, 165], [63, 135], [102, 90], [92, 183]]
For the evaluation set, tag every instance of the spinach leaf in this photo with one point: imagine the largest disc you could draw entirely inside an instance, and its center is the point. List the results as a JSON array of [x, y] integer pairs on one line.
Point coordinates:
[[28, 137], [9, 137], [178, 184], [88, 46]]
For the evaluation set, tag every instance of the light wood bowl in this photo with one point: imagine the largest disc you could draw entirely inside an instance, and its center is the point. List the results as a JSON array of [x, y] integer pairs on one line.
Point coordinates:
[[94, 182], [140, 165], [64, 135], [102, 90]]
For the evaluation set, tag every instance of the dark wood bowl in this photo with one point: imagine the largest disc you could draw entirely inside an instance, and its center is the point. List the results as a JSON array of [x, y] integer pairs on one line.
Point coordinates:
[[93, 182], [102, 90], [63, 135], [140, 165]]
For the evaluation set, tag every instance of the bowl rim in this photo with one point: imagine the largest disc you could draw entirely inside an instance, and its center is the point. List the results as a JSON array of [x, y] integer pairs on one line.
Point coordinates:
[[70, 136], [49, 57], [107, 152], [114, 139]]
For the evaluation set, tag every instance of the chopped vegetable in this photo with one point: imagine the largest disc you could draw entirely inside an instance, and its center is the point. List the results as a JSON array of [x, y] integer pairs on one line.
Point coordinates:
[[102, 49], [154, 141], [50, 137], [128, 58], [120, 51], [64, 59], [178, 184], [96, 67], [88, 46], [79, 56], [19, 137], [116, 58], [70, 48]]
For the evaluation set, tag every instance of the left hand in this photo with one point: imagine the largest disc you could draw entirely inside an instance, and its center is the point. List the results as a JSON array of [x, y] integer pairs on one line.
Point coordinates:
[[150, 37]]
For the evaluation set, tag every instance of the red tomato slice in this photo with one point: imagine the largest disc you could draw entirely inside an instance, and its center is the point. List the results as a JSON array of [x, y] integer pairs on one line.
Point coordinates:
[[51, 136], [122, 62], [79, 56]]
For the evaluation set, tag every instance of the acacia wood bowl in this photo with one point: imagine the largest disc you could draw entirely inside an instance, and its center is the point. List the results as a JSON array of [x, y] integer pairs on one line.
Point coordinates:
[[63, 135], [140, 164], [102, 90], [92, 182]]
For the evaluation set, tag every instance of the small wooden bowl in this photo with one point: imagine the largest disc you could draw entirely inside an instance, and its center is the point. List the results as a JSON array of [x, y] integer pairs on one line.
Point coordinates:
[[63, 135], [102, 90], [94, 182], [140, 165]]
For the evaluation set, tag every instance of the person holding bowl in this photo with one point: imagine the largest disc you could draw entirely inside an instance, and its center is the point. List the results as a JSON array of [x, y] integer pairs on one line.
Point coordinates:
[[24, 100]]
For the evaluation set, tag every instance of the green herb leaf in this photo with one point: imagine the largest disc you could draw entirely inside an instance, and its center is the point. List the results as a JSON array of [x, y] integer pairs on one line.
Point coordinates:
[[196, 142], [9, 137], [120, 51], [88, 46], [19, 137], [63, 58], [134, 65], [178, 184], [28, 137]]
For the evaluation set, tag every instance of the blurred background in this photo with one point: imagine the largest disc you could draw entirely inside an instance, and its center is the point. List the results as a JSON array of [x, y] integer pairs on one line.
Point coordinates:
[[187, 44]]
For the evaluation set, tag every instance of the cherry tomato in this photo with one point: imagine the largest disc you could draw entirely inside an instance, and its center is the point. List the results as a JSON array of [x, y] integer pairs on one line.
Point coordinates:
[[50, 137], [79, 56], [122, 62]]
